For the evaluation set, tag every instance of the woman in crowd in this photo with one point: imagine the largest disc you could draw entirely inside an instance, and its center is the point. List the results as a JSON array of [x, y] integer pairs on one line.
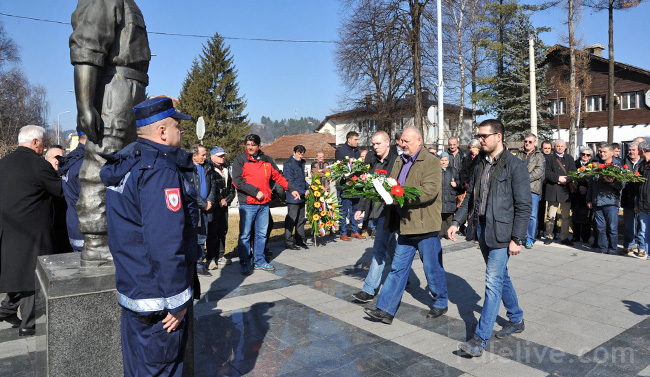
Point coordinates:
[[450, 187], [581, 214]]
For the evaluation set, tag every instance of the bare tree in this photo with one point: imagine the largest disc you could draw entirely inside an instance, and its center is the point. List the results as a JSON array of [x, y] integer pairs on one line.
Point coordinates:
[[611, 5], [373, 59]]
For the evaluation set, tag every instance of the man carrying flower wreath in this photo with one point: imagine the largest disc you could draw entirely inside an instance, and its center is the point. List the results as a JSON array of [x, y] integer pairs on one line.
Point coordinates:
[[604, 196], [381, 161], [418, 222], [349, 205]]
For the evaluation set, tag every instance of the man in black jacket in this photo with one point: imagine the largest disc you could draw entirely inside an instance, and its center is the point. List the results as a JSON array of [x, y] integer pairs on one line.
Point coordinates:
[[499, 193], [630, 218], [203, 184], [556, 191], [643, 198], [224, 195], [349, 205], [381, 160], [26, 230]]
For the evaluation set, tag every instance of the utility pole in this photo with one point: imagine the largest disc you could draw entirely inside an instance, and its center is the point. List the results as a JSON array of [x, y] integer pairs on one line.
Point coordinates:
[[533, 86]]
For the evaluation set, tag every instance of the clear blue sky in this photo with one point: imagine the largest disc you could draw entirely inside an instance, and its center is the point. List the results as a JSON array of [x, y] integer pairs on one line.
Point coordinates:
[[275, 78]]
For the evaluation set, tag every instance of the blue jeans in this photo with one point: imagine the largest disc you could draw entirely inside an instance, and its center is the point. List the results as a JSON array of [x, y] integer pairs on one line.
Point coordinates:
[[348, 208], [201, 238], [252, 216], [644, 225], [532, 225], [631, 236], [498, 287], [383, 248], [431, 256], [607, 224]]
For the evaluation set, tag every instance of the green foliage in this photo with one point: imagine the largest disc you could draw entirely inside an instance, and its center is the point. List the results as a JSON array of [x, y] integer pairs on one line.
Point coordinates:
[[211, 90], [508, 93]]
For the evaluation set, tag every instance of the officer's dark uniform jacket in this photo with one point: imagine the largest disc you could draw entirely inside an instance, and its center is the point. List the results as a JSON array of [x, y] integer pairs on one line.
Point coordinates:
[[69, 169], [152, 216]]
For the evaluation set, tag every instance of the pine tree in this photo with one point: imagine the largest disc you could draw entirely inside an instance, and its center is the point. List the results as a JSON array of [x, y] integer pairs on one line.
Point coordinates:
[[210, 90], [509, 91]]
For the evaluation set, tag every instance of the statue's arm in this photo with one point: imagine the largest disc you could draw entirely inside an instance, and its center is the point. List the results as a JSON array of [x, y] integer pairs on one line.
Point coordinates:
[[85, 84]]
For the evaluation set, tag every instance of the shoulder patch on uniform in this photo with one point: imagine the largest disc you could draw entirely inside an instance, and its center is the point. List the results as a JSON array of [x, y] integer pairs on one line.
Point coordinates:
[[173, 199]]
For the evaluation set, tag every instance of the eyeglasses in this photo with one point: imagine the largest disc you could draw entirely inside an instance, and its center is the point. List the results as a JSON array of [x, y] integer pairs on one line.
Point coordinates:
[[529, 141], [585, 154], [485, 136]]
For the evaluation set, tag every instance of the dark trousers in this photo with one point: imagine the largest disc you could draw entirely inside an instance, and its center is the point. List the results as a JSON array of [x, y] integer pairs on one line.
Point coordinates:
[[582, 232], [217, 230], [295, 219], [27, 303]]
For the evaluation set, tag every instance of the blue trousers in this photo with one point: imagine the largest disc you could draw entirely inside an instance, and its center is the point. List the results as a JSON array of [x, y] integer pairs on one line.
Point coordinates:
[[632, 234], [150, 350], [252, 218], [532, 225], [348, 208], [607, 224], [431, 255], [382, 249], [498, 287]]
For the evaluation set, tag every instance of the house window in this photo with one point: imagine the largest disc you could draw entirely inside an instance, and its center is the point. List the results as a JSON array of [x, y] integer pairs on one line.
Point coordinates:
[[632, 100], [596, 103], [558, 106], [372, 126]]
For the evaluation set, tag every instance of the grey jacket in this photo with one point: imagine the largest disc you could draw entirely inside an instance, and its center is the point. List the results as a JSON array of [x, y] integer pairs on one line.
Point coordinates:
[[509, 202], [536, 164]]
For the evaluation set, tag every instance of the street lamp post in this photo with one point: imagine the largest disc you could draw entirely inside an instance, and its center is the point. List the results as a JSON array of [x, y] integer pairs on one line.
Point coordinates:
[[58, 126]]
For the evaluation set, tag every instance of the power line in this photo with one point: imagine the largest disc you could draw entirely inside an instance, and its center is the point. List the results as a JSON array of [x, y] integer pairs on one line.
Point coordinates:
[[180, 34]]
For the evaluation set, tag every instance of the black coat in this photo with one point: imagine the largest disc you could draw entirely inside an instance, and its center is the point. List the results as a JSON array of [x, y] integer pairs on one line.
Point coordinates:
[[554, 192], [449, 193], [26, 217]]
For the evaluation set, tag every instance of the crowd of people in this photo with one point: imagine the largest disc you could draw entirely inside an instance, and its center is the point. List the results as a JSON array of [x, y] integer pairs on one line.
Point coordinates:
[[502, 201]]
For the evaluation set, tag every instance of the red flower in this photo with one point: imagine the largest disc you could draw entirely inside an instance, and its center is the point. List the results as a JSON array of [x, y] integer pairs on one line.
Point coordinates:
[[355, 178], [637, 173], [381, 171], [601, 166], [607, 164], [397, 190], [582, 168], [625, 166]]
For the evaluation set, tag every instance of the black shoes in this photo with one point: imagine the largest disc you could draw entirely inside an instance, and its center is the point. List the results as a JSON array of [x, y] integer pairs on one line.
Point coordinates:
[[567, 242], [26, 332], [473, 347], [13, 320], [303, 245], [291, 247], [203, 271], [510, 328], [379, 315], [363, 296], [548, 241], [436, 312]]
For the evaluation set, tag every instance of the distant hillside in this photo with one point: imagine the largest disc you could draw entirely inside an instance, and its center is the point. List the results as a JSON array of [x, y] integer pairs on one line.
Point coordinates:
[[269, 130]]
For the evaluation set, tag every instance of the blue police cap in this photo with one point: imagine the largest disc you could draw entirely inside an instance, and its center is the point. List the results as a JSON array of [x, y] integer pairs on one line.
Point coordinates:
[[155, 109], [217, 151]]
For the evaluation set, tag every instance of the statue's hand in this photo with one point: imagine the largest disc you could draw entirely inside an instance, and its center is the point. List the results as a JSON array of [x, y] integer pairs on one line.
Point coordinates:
[[89, 122]]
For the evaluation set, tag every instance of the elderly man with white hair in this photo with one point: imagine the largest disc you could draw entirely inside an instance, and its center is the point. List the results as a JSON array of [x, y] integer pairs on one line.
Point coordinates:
[[558, 189], [29, 183]]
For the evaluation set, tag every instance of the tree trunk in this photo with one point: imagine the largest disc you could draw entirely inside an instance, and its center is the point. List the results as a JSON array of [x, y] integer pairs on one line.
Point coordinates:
[[461, 65], [610, 77], [572, 83], [416, 13]]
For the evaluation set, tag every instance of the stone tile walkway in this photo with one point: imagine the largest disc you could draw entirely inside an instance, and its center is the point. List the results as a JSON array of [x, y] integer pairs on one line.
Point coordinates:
[[586, 315]]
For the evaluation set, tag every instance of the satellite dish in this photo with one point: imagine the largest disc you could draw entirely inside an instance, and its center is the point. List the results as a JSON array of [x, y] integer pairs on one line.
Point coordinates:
[[432, 114], [200, 128]]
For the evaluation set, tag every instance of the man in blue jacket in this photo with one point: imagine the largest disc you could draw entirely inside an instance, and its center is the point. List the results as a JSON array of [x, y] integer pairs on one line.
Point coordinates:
[[152, 217], [499, 193], [294, 172], [69, 170]]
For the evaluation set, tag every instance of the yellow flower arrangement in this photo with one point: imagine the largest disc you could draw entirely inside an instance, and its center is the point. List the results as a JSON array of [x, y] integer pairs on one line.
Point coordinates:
[[323, 213], [314, 187], [327, 174], [317, 181], [316, 204], [316, 217], [317, 193]]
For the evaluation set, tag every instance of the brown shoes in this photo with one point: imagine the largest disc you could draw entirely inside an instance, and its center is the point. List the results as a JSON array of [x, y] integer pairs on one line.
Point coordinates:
[[358, 235], [345, 237]]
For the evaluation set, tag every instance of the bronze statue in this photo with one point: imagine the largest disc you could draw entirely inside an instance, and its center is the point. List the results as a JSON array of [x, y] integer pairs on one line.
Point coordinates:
[[110, 53]]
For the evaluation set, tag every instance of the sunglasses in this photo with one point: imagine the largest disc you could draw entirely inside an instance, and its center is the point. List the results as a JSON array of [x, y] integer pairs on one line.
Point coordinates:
[[485, 136], [585, 154], [529, 141]]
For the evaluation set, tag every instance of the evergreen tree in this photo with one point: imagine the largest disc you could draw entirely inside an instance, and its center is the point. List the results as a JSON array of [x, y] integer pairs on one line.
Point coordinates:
[[508, 92], [210, 90]]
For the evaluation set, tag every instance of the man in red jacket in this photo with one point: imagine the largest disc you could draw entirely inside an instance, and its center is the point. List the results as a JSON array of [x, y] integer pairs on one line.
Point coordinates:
[[251, 173]]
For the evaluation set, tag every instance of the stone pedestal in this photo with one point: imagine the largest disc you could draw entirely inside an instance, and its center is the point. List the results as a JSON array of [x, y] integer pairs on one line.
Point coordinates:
[[82, 317]]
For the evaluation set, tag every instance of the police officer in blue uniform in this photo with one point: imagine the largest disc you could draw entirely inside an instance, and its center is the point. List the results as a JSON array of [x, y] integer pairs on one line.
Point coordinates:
[[69, 167], [152, 217]]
